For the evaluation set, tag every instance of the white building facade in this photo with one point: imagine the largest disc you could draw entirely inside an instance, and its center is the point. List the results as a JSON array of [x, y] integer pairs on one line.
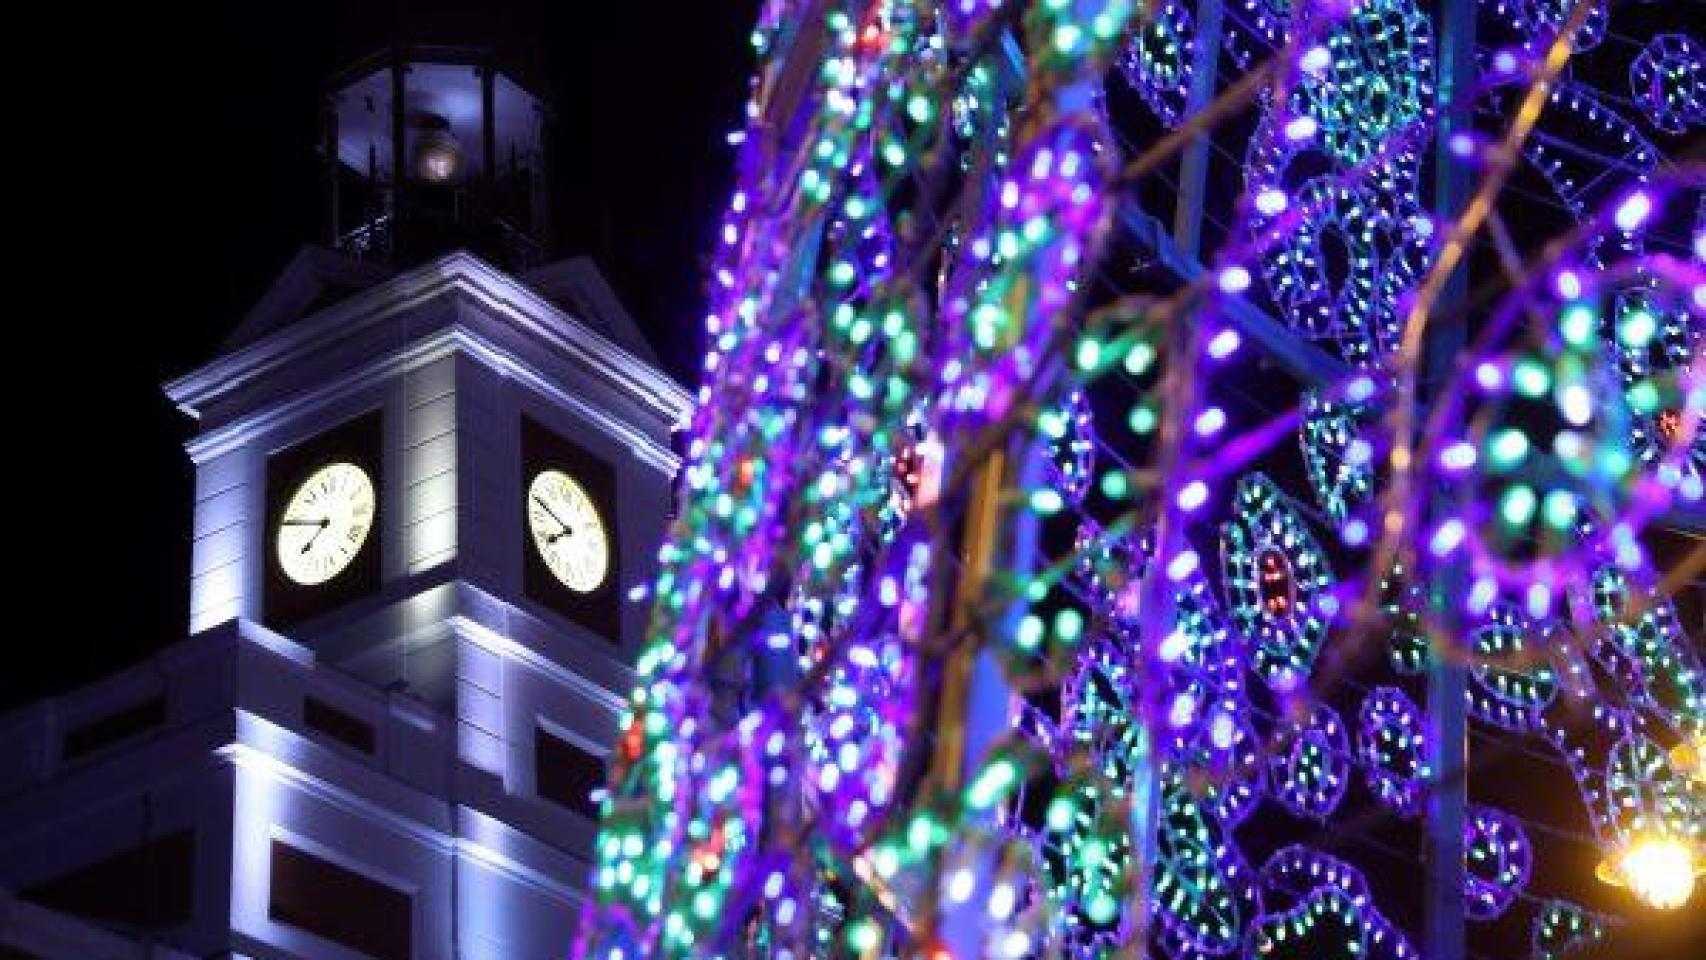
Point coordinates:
[[396, 754]]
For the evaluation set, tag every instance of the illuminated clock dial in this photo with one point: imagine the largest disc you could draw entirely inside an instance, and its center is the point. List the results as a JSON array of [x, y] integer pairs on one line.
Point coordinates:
[[568, 531], [325, 523]]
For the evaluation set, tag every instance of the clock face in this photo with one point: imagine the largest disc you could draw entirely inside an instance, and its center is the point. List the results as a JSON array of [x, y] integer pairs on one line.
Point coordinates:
[[325, 523], [567, 531]]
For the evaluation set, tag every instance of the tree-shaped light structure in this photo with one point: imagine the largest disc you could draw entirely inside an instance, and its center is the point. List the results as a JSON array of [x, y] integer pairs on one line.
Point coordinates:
[[1048, 581]]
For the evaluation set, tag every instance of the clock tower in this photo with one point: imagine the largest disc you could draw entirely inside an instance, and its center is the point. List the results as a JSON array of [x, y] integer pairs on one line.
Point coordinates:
[[442, 461], [429, 471]]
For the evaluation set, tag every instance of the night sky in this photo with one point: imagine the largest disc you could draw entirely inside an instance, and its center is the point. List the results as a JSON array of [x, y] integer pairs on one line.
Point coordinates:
[[180, 175]]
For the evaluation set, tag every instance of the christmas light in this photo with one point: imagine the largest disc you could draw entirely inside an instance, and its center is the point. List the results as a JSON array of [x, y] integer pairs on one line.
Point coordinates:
[[1659, 870]]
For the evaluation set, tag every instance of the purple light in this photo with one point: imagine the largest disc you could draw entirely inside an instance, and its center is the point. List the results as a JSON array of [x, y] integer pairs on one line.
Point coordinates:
[[1194, 495], [1300, 129], [1224, 344], [1271, 201], [1633, 211], [1234, 279]]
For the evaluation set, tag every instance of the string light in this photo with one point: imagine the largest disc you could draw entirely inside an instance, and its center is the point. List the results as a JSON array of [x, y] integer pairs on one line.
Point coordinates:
[[770, 788]]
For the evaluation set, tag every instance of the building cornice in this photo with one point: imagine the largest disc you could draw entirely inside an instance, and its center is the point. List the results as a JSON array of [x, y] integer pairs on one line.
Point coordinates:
[[455, 273], [424, 350]]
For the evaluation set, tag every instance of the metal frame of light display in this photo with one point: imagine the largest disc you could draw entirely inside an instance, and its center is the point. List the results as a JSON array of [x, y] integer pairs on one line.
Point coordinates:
[[1007, 613]]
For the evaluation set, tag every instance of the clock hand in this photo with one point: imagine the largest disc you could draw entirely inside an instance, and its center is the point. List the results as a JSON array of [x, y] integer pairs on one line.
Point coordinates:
[[553, 513], [323, 525], [287, 522]]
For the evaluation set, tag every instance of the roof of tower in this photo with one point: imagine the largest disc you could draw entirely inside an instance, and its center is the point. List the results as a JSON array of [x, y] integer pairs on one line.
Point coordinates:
[[511, 31]]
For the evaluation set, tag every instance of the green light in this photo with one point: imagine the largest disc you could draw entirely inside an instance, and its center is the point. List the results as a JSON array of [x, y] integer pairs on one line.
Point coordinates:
[[1060, 811], [1643, 397], [991, 784], [1139, 358], [1069, 625], [1052, 424], [1030, 635], [919, 109], [1577, 324], [1531, 379], [863, 936], [1507, 448], [1517, 505], [1637, 329], [1560, 509], [1047, 501], [1089, 354], [1142, 419], [1115, 486], [1615, 463]]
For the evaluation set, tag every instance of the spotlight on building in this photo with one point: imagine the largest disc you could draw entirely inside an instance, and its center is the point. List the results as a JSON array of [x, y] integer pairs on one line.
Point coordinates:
[[1659, 870]]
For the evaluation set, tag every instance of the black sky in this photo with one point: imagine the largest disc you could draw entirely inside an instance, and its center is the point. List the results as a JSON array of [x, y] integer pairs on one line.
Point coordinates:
[[176, 176]]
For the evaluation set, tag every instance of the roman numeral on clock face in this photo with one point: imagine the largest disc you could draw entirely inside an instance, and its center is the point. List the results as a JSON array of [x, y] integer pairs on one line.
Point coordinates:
[[567, 531], [325, 523]]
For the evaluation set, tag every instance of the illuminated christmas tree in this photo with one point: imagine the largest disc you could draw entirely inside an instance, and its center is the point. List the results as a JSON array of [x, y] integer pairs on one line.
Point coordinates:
[[1154, 462]]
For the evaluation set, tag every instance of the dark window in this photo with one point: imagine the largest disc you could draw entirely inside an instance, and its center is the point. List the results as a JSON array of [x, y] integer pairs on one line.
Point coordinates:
[[116, 726], [566, 774], [148, 887], [340, 905], [337, 724]]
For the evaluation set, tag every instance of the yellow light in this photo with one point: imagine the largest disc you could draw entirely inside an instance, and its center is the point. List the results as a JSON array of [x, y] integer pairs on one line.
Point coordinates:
[[1689, 757], [1658, 870]]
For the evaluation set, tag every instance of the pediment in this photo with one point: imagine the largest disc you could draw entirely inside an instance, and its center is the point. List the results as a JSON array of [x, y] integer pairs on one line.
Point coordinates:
[[315, 278]]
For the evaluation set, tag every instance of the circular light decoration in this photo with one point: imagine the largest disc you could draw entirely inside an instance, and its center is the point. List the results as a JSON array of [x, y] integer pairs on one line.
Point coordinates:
[[1562, 928], [1207, 705], [1202, 644], [1668, 81], [1497, 860], [1392, 743], [1377, 83], [1540, 20], [1651, 656], [855, 739], [1071, 436], [708, 872], [1100, 717], [1402, 600], [1646, 796], [1337, 454], [1220, 753], [1158, 58], [1589, 154], [1544, 440], [855, 723], [1510, 686], [1203, 894], [1050, 203], [1655, 342], [1310, 765], [1087, 860], [1110, 568], [1338, 270], [1279, 588], [1320, 908]]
